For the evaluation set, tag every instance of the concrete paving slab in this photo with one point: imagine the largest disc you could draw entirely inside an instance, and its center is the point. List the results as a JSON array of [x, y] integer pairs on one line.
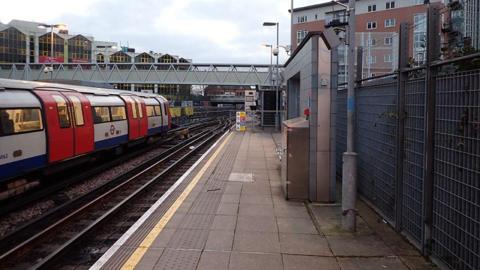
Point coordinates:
[[188, 239], [256, 199], [150, 259], [358, 245], [227, 209], [296, 225], [256, 210], [256, 242], [196, 221], [297, 262], [388, 263], [256, 224], [221, 222], [173, 259], [214, 260], [220, 240], [291, 212], [163, 238], [253, 261], [304, 244]]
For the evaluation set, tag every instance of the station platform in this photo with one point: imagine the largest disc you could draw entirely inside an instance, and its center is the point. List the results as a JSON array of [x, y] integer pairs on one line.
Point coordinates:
[[228, 212]]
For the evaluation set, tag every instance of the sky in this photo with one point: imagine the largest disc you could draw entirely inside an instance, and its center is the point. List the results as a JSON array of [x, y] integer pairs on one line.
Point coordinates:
[[207, 31]]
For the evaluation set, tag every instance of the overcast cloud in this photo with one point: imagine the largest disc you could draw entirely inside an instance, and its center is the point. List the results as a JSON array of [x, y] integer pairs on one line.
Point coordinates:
[[221, 31]]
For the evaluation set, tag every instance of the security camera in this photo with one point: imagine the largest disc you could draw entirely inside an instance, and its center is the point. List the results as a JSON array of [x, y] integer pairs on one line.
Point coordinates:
[[275, 51], [48, 69]]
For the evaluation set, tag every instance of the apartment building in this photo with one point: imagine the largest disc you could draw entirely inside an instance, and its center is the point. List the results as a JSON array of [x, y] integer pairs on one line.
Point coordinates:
[[377, 28]]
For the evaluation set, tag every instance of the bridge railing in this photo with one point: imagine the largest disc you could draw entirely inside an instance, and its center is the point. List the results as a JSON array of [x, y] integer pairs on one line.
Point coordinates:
[[136, 73]]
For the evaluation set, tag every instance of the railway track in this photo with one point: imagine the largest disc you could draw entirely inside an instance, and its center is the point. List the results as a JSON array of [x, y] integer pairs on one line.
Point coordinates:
[[44, 241], [61, 181]]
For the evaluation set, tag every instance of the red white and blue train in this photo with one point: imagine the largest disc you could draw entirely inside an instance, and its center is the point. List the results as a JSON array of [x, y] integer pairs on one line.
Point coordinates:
[[45, 124]]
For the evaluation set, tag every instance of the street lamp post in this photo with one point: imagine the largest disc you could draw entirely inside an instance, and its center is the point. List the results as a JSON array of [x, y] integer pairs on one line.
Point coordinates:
[[271, 60], [52, 26], [277, 73]]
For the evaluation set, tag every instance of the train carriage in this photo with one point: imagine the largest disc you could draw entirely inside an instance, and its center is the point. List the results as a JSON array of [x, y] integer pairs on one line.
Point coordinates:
[[109, 121], [154, 114], [22, 133], [47, 124]]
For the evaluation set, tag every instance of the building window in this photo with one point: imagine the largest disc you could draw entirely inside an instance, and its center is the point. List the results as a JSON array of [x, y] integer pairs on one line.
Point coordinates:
[[390, 5], [302, 19], [372, 8], [316, 16], [371, 25], [387, 58], [372, 42], [13, 45], [144, 58], [44, 47], [388, 41], [301, 34], [79, 50], [390, 23], [120, 57], [419, 2], [100, 58], [372, 59]]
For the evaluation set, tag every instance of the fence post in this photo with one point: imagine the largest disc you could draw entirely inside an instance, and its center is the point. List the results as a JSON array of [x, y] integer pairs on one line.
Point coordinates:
[[359, 75], [433, 51], [402, 80]]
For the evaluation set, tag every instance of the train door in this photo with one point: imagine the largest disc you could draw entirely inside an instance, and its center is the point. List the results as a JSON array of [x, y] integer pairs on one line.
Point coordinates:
[[82, 122], [60, 132], [142, 116], [133, 118]]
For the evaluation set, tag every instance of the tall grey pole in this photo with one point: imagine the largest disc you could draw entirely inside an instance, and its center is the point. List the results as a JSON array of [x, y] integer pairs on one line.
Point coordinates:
[[271, 64], [349, 171], [51, 51], [277, 121]]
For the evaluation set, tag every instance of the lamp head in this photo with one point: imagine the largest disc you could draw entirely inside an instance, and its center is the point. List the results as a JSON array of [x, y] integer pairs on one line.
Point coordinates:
[[269, 23]]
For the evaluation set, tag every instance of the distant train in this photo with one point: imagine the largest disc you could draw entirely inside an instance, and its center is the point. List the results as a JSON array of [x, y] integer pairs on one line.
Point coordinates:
[[44, 124]]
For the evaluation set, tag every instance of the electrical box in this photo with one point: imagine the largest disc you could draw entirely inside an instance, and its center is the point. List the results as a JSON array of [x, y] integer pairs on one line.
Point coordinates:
[[295, 158]]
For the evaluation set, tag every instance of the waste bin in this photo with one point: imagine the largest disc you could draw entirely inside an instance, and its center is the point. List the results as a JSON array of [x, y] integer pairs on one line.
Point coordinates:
[[295, 158]]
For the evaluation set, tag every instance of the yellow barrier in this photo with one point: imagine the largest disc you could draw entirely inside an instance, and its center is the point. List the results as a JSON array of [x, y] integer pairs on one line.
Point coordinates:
[[175, 111]]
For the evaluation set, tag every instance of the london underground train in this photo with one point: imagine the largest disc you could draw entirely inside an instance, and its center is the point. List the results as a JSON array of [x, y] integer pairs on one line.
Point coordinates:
[[45, 125]]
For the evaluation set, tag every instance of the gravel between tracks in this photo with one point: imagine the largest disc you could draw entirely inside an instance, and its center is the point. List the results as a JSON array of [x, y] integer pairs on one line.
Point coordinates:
[[16, 219]]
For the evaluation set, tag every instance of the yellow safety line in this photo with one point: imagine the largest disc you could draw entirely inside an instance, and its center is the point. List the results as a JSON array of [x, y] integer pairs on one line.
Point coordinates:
[[135, 258]]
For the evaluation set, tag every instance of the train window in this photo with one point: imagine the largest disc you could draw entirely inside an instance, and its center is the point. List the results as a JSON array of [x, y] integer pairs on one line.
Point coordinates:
[[63, 116], [118, 113], [139, 108], [158, 110], [134, 109], [101, 115], [78, 111], [14, 121], [150, 111]]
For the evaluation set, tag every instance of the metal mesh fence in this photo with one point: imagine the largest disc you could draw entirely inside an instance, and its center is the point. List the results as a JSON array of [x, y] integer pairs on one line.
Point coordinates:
[[412, 185], [456, 202], [376, 144]]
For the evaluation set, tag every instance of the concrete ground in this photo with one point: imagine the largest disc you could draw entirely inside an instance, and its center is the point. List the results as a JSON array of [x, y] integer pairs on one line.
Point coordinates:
[[237, 218]]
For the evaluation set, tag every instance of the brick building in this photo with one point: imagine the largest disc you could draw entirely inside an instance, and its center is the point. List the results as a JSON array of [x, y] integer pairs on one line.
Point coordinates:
[[377, 27]]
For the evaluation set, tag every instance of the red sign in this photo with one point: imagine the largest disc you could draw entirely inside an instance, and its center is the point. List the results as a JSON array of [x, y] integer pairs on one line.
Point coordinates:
[[48, 59]]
